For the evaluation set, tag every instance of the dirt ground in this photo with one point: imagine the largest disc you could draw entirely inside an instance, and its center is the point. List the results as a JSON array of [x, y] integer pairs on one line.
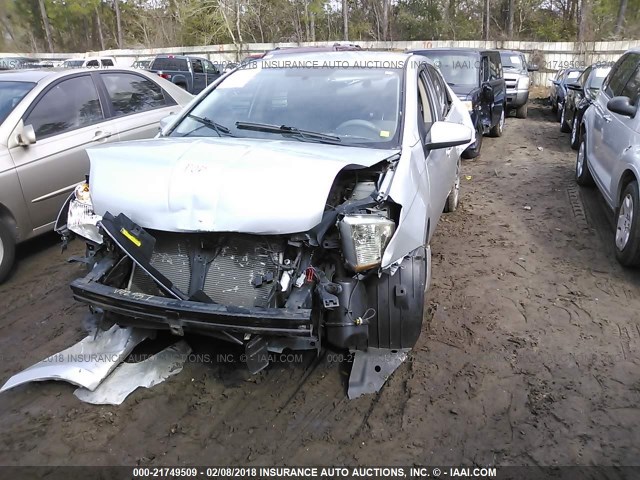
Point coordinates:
[[530, 355]]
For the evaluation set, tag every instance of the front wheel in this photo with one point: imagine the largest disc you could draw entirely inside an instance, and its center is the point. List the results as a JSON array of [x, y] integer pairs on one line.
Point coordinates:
[[522, 111], [564, 128], [583, 174], [497, 130], [575, 133], [454, 195], [627, 238], [7, 251], [470, 153]]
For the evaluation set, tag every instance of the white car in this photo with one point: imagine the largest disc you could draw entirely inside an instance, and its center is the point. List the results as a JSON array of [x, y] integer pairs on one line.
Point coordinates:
[[286, 207], [90, 62]]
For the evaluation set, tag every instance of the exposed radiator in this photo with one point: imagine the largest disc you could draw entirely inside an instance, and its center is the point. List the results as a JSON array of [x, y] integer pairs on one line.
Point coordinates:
[[230, 276]]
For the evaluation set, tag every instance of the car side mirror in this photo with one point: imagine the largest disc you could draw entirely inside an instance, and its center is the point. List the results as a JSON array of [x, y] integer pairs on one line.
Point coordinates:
[[622, 106], [533, 68], [555, 82], [27, 136], [574, 86], [447, 135]]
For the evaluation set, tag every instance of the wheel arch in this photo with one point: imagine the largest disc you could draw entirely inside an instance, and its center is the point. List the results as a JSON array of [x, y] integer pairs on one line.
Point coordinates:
[[8, 219], [628, 176]]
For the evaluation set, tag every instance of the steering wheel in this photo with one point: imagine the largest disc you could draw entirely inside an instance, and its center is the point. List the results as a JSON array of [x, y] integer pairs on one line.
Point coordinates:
[[358, 127]]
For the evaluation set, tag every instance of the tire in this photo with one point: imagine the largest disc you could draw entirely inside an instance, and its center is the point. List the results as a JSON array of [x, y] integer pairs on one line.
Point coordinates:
[[627, 237], [496, 131], [454, 195], [522, 111], [7, 251], [564, 128], [474, 152], [554, 105], [559, 111], [575, 133], [398, 301], [583, 174], [182, 86]]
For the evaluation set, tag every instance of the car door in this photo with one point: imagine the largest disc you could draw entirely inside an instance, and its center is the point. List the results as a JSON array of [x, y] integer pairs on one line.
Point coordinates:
[[67, 117], [137, 102], [199, 75], [436, 160], [496, 79], [606, 140], [574, 97], [486, 103]]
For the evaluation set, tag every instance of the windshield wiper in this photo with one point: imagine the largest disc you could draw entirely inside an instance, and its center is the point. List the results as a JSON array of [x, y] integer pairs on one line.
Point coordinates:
[[285, 129], [219, 129]]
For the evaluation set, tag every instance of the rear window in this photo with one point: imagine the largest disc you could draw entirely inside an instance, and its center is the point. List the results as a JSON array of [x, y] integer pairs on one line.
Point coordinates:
[[171, 64], [10, 95], [72, 63]]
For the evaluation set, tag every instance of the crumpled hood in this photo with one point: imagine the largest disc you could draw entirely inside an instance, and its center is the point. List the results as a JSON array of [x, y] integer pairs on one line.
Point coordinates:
[[221, 184]]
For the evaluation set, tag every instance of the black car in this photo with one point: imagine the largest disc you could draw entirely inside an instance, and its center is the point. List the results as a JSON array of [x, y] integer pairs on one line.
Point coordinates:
[[580, 94], [476, 77], [193, 74], [558, 90]]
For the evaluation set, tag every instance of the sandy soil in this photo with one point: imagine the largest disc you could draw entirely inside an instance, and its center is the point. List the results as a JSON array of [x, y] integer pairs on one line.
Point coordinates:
[[530, 354]]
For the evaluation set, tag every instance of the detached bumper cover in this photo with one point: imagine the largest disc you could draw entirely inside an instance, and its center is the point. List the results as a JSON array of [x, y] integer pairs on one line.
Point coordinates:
[[162, 312]]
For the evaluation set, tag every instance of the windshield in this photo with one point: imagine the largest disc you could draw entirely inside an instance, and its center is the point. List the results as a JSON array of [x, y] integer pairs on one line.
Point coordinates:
[[72, 63], [10, 95], [597, 77], [512, 61], [456, 68], [350, 106]]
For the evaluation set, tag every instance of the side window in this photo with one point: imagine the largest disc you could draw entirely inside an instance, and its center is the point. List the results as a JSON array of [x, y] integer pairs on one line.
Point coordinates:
[[197, 66], [484, 64], [69, 105], [425, 113], [93, 63], [620, 74], [441, 91], [131, 93], [495, 67], [210, 67], [582, 80], [632, 88], [107, 62]]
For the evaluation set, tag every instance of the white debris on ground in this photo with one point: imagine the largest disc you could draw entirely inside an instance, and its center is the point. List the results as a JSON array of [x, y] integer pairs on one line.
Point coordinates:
[[85, 364], [127, 377]]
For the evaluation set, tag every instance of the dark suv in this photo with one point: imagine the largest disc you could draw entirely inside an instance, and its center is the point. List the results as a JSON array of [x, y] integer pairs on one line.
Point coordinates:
[[476, 78]]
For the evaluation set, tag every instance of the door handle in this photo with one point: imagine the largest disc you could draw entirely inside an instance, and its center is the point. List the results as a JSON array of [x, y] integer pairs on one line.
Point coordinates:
[[448, 150], [100, 135], [607, 117]]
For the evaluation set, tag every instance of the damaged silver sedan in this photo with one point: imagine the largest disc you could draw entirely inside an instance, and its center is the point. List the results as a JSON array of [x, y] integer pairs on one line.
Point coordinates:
[[290, 205]]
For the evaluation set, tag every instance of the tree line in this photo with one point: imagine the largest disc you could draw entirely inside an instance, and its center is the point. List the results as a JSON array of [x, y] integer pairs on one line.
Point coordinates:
[[86, 25]]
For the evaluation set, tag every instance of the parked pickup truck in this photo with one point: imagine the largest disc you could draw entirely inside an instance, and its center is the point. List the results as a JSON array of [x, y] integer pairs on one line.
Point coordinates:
[[191, 73]]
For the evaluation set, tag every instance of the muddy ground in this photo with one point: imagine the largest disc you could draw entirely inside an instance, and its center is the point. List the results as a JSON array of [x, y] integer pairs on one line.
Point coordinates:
[[530, 354]]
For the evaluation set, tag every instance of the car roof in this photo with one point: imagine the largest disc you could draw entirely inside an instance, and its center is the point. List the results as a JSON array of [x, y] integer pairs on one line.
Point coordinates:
[[353, 57], [510, 52], [447, 50], [170, 55], [26, 75], [336, 47]]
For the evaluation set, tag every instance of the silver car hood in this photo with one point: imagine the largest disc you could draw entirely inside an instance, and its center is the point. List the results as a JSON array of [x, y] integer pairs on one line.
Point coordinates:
[[221, 184]]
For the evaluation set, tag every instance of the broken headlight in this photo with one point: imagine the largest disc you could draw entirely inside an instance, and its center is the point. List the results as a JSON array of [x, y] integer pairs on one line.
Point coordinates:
[[364, 238], [81, 218]]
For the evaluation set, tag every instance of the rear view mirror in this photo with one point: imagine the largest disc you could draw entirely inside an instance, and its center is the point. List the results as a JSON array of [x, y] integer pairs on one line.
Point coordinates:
[[27, 136], [533, 68], [447, 135], [555, 82], [622, 106]]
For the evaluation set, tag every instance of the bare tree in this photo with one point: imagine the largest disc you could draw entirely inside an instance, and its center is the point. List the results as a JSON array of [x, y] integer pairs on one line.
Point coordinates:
[[47, 25], [487, 20], [620, 20], [99, 23], [345, 19], [583, 18], [116, 5], [510, 18]]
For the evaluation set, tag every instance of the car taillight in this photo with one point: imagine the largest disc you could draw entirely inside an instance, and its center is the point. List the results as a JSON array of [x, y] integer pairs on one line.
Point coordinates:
[[164, 75]]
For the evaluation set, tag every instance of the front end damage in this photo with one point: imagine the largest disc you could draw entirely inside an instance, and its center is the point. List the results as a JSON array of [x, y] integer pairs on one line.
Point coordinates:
[[261, 292]]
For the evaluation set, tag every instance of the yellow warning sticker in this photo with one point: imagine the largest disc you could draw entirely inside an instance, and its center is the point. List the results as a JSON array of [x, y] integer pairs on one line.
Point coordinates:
[[384, 133], [133, 239]]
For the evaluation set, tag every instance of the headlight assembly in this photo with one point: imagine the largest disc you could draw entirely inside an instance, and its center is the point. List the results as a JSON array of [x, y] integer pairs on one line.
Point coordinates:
[[523, 83], [468, 104], [81, 218], [364, 238]]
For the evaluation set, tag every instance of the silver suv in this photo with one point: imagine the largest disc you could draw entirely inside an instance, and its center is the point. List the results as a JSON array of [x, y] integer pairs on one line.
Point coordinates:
[[516, 76], [609, 152]]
